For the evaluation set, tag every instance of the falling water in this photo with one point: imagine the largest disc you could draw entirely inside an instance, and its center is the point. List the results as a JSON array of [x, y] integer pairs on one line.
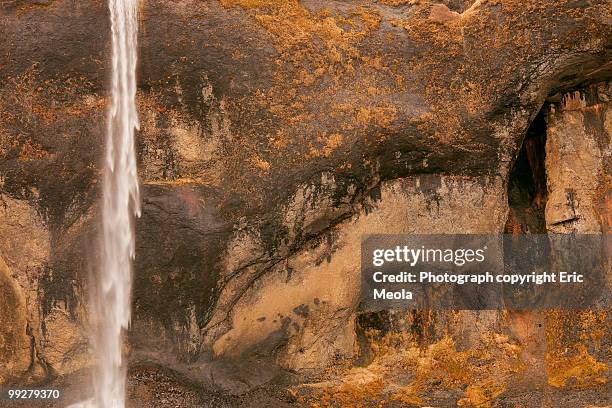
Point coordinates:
[[121, 201], [111, 293]]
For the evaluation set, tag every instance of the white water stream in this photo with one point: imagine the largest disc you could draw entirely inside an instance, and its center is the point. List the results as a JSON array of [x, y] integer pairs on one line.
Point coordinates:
[[111, 297]]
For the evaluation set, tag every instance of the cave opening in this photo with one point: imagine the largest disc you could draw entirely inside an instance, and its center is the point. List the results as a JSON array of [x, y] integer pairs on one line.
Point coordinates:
[[527, 195], [527, 192]]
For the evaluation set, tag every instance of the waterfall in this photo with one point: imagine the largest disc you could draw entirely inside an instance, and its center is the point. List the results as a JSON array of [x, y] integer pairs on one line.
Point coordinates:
[[111, 293], [120, 203]]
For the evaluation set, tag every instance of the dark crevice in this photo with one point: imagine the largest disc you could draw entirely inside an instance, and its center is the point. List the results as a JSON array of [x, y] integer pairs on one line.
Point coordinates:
[[527, 192]]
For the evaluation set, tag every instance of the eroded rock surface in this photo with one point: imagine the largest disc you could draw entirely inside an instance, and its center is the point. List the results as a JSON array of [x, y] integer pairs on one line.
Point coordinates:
[[273, 134]]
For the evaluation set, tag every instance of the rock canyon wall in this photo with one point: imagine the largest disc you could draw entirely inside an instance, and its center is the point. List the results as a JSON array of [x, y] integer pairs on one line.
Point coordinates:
[[273, 135]]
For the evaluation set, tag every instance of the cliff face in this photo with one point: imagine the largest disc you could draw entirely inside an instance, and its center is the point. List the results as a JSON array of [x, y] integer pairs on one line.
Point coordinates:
[[273, 134]]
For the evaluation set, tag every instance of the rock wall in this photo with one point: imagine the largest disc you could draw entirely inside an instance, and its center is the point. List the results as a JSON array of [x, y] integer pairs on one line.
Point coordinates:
[[309, 301], [578, 162], [25, 247], [272, 135]]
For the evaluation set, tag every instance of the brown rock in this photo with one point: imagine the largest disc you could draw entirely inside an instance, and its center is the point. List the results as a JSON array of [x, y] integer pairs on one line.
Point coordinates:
[[15, 344], [273, 134]]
